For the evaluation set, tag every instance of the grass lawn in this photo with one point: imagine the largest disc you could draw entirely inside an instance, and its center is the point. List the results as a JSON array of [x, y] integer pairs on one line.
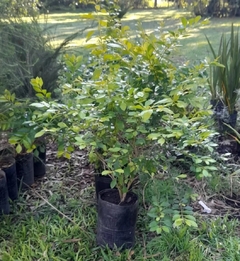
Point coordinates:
[[56, 219]]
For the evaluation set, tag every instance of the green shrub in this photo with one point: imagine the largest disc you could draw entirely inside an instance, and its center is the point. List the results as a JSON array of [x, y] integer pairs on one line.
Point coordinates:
[[127, 99]]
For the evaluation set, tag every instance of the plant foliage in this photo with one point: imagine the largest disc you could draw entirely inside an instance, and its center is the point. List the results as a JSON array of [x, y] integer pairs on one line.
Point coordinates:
[[127, 97], [225, 81]]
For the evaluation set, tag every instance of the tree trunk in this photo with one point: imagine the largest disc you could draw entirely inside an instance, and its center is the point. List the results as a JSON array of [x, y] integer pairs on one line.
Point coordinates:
[[155, 3]]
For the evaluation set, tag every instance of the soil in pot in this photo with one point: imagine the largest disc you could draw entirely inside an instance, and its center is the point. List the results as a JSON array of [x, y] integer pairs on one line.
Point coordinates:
[[116, 222], [8, 165], [39, 160], [4, 202], [25, 170]]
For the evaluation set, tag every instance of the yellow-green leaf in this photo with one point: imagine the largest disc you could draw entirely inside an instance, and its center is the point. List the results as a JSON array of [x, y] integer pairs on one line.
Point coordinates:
[[39, 134], [181, 104], [97, 74], [146, 115], [116, 149], [40, 95], [67, 155], [38, 105], [62, 125], [103, 23], [106, 172], [153, 136], [89, 35], [191, 223], [76, 129], [178, 222], [119, 170], [197, 18], [125, 28], [48, 95], [184, 21], [123, 106], [182, 176], [113, 183], [161, 141], [165, 229], [18, 148], [97, 8]]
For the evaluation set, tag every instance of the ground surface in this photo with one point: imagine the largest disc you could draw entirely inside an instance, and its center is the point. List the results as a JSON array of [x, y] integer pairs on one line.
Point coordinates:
[[56, 219]]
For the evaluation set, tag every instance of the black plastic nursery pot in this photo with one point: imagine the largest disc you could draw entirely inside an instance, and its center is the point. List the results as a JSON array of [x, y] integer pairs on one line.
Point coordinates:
[[102, 182], [4, 202], [232, 121], [218, 108], [25, 170], [116, 222], [217, 105], [39, 160], [8, 165]]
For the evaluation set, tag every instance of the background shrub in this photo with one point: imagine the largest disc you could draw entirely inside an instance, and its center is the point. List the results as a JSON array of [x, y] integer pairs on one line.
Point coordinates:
[[25, 53], [216, 8]]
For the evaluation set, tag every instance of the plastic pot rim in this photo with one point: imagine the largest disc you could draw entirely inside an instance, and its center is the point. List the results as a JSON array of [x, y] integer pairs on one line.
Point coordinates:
[[113, 204]]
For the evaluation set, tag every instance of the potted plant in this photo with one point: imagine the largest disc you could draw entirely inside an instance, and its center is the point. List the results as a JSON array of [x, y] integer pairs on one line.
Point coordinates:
[[20, 135], [116, 133], [30, 149], [4, 202], [226, 78], [132, 98], [114, 127], [23, 142], [8, 165]]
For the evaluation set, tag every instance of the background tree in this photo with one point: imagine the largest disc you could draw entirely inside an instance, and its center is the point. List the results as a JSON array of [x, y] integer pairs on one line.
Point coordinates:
[[17, 8], [217, 8], [125, 4]]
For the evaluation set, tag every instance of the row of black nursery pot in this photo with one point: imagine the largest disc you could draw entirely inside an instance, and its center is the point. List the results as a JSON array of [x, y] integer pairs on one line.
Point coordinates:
[[116, 222], [18, 174]]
